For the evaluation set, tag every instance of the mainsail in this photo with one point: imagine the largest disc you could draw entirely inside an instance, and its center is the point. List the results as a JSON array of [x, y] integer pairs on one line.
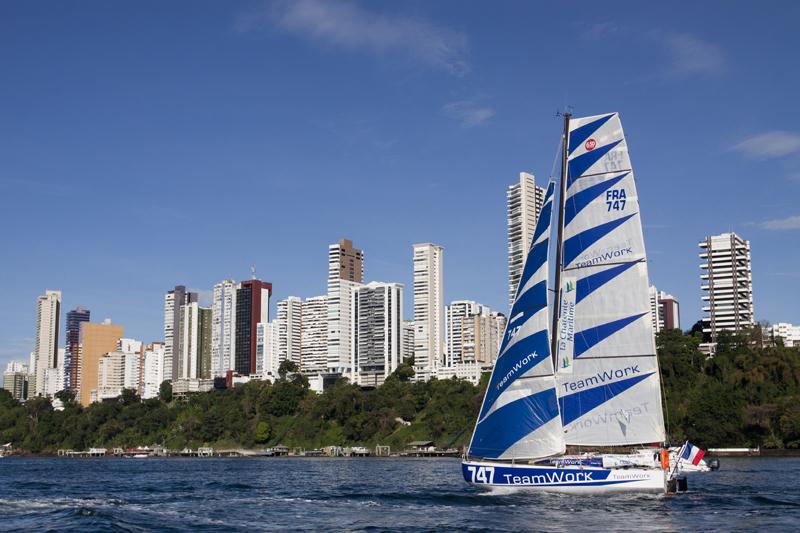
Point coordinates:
[[519, 417], [608, 378]]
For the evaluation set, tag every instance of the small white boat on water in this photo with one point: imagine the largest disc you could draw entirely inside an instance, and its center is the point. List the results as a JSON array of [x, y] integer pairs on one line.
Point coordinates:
[[595, 382]]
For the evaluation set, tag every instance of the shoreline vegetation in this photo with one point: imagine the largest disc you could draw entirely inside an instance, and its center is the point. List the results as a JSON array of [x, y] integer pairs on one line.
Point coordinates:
[[747, 395]]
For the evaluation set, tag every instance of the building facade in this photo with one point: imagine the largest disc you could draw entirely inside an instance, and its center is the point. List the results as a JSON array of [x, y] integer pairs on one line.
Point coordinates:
[[727, 284], [48, 312], [379, 332], [428, 306], [788, 334], [290, 330], [252, 308], [15, 380], [524, 201], [194, 342], [72, 346], [474, 333], [152, 370], [345, 275], [96, 341], [223, 326], [174, 300], [314, 336]]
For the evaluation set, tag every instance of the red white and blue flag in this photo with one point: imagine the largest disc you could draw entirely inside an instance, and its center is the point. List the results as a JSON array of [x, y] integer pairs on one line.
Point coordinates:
[[692, 453]]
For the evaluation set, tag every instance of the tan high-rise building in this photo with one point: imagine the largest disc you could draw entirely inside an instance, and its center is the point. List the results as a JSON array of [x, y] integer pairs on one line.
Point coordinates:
[[96, 340], [345, 262]]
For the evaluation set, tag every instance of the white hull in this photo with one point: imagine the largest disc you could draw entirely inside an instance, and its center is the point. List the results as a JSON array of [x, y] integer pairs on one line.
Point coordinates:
[[571, 479]]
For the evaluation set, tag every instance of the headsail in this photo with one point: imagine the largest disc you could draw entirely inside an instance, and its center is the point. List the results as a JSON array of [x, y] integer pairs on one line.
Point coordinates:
[[608, 379], [519, 416]]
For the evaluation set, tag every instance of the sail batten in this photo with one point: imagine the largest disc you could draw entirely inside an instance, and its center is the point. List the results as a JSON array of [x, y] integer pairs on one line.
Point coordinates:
[[608, 379]]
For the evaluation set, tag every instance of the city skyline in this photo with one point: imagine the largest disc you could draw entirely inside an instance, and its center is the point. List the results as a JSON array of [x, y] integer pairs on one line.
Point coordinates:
[[452, 193]]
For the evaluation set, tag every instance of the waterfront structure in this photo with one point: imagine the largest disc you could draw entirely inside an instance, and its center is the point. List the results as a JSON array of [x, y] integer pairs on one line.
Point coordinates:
[[96, 340], [252, 308], [524, 202], [290, 330], [428, 307], [15, 380], [787, 333], [152, 370], [72, 347], [474, 333], [379, 338], [194, 342], [345, 275], [223, 326], [314, 336], [48, 312], [173, 302], [727, 284]]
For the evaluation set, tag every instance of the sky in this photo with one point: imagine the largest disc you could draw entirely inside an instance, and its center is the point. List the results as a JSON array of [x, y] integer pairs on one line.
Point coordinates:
[[149, 144]]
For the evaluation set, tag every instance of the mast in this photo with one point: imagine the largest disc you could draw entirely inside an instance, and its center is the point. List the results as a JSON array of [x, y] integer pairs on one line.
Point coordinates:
[[559, 236]]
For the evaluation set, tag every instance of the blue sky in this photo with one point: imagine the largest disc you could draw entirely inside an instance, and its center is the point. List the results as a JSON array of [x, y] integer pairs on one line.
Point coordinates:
[[148, 144]]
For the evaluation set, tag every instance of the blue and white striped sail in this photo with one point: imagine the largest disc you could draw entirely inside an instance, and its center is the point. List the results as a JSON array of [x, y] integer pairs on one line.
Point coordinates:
[[608, 378], [519, 417]]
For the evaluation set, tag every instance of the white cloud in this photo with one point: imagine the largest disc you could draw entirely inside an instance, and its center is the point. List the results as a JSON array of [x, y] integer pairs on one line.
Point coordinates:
[[468, 112], [352, 27], [770, 144], [792, 222], [689, 55]]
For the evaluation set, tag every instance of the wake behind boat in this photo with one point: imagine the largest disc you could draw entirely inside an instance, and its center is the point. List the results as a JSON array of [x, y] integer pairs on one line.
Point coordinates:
[[604, 388]]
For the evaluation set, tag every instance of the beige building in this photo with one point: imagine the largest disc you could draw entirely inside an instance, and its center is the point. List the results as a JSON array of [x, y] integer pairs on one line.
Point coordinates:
[[96, 340]]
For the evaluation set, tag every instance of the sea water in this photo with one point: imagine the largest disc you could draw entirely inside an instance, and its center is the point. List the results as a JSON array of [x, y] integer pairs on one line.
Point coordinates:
[[371, 494]]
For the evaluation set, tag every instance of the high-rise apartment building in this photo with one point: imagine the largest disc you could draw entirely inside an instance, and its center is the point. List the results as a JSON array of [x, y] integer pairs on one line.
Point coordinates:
[[252, 308], [194, 342], [474, 333], [727, 283], [408, 340], [96, 341], [152, 370], [174, 300], [345, 275], [72, 347], [428, 306], [379, 332], [48, 312], [15, 380], [524, 201], [267, 349], [664, 310], [290, 329], [314, 336], [223, 326]]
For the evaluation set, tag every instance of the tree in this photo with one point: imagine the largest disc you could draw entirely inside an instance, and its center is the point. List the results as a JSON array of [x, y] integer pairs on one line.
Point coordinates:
[[66, 396], [404, 372], [262, 432], [165, 391], [287, 367]]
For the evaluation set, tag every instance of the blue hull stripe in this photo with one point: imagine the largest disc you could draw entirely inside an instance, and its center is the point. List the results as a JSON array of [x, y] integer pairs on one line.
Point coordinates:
[[510, 423], [588, 338], [574, 406], [577, 244], [578, 135]]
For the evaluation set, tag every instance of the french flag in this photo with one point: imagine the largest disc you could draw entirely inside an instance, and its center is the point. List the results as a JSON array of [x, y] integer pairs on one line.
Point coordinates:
[[692, 453]]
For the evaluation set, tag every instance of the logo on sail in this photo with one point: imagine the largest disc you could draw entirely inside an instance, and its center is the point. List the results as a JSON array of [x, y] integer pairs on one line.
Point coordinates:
[[566, 328], [590, 145]]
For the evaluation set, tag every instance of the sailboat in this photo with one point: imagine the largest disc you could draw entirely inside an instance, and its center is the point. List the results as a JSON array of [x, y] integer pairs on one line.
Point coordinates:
[[584, 373]]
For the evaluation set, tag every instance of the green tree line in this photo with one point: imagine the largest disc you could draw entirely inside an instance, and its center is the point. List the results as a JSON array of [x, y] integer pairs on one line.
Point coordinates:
[[743, 396]]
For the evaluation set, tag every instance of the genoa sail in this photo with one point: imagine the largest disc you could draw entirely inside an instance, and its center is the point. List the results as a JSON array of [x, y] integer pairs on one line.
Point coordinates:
[[519, 417], [608, 378]]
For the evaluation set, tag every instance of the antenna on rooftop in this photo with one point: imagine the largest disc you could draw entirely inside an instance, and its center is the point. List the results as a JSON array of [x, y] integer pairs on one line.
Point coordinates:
[[253, 271]]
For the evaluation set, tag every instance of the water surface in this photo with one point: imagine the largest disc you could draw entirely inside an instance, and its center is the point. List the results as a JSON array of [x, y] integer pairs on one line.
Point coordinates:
[[108, 494]]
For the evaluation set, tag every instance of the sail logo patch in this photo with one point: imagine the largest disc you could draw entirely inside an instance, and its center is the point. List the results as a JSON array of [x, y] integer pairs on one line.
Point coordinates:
[[590, 145]]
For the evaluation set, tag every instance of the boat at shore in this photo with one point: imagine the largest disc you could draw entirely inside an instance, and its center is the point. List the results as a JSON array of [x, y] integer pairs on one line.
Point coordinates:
[[580, 370]]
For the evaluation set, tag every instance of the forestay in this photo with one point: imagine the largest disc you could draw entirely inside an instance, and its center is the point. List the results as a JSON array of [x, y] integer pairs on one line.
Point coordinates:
[[519, 417], [608, 379]]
